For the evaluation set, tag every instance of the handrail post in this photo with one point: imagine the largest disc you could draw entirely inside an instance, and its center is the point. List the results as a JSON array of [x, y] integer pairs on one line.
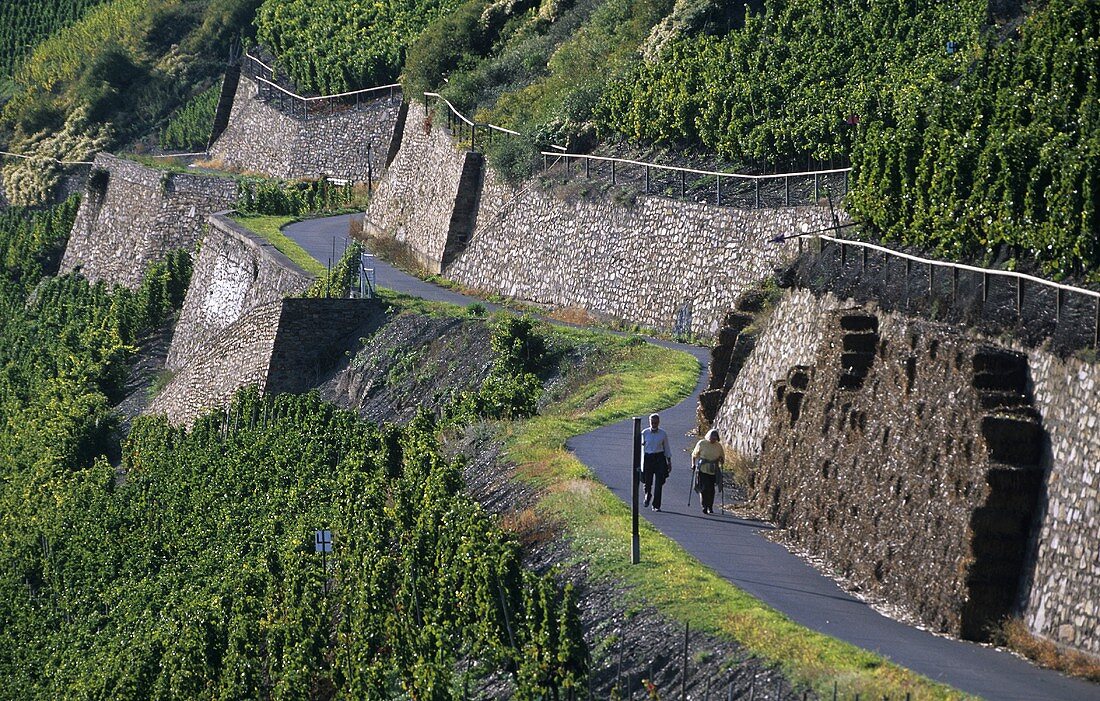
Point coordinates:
[[817, 187], [545, 163], [683, 183], [718, 190], [1019, 296], [647, 180], [787, 192], [845, 182], [757, 181], [1096, 326], [587, 163], [612, 172]]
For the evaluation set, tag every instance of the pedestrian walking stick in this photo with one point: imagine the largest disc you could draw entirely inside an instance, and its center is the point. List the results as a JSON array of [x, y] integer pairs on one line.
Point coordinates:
[[692, 482]]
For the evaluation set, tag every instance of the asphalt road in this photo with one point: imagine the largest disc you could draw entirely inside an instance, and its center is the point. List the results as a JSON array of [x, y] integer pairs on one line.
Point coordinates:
[[736, 550]]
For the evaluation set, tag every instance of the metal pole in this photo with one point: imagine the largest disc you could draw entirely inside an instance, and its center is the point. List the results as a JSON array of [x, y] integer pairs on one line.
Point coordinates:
[[683, 185], [756, 181], [647, 180], [635, 460], [1058, 305], [718, 190], [786, 191], [684, 678], [1096, 326], [587, 163], [985, 286], [612, 172], [1019, 295], [817, 182]]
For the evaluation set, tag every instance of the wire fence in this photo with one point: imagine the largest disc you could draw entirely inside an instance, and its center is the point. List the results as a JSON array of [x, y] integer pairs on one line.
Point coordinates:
[[305, 108], [1032, 308]]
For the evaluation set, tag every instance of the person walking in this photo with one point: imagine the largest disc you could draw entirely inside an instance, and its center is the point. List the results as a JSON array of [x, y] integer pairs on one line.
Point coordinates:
[[656, 461], [707, 458]]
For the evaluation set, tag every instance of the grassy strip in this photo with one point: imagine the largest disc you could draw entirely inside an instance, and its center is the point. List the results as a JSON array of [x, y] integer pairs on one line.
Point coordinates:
[[271, 229], [598, 523]]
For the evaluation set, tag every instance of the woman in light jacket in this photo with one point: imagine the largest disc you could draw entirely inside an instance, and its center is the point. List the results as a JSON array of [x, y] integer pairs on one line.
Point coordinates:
[[708, 457]]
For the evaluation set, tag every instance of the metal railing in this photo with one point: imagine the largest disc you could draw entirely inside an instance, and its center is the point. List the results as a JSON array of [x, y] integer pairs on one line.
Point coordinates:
[[1042, 308], [705, 186], [460, 125], [302, 107]]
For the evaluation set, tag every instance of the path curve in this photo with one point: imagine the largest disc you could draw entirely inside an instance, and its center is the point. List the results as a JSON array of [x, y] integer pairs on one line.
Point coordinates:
[[736, 549]]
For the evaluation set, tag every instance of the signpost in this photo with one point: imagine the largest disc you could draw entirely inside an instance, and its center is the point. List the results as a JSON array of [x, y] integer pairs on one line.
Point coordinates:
[[635, 463], [322, 543]]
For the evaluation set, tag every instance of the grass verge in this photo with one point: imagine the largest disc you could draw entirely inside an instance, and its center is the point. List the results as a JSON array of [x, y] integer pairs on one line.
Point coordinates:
[[640, 378], [271, 229]]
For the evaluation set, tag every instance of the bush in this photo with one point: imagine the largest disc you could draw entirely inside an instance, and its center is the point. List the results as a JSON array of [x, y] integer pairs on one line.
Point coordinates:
[[513, 157]]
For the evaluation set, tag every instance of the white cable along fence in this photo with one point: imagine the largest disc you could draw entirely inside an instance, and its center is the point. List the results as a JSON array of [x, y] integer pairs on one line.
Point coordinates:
[[302, 107]]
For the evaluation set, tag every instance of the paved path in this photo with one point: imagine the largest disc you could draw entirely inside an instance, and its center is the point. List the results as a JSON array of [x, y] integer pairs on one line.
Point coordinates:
[[737, 551]]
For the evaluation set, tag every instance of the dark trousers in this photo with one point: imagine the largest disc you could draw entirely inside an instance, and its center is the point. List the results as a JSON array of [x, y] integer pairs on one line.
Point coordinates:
[[706, 488], [654, 474]]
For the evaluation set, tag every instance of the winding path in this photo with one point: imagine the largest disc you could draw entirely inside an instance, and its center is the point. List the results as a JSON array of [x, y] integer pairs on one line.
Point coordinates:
[[736, 550]]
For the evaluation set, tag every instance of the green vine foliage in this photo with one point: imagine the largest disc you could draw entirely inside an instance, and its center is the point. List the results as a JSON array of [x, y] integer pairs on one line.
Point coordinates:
[[24, 24], [189, 127], [292, 198], [337, 281], [196, 576], [968, 137], [331, 46]]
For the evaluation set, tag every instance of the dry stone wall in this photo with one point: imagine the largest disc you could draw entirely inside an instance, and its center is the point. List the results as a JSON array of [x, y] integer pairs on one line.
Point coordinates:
[[1063, 596], [234, 271], [932, 473], [661, 263], [290, 345], [236, 357], [132, 215], [415, 200], [261, 138]]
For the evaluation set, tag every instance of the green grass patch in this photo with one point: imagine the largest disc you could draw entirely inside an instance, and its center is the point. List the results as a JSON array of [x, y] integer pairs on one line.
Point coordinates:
[[271, 229], [639, 378]]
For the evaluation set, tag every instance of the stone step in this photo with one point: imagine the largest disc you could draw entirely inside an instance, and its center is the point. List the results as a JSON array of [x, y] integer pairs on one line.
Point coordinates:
[[860, 342], [859, 323], [854, 367], [1002, 399], [1000, 370], [1014, 440]]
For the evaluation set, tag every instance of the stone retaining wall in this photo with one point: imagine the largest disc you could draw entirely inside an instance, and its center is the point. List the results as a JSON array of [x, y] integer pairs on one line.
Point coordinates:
[[661, 263], [262, 139], [132, 215], [1060, 584], [415, 199], [290, 345], [236, 357], [1063, 596], [234, 271]]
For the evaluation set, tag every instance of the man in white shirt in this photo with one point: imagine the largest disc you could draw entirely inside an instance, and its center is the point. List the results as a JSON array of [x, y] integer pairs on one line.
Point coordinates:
[[656, 461]]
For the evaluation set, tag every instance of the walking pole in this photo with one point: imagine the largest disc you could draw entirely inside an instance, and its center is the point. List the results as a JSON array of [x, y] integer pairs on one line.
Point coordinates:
[[692, 482]]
